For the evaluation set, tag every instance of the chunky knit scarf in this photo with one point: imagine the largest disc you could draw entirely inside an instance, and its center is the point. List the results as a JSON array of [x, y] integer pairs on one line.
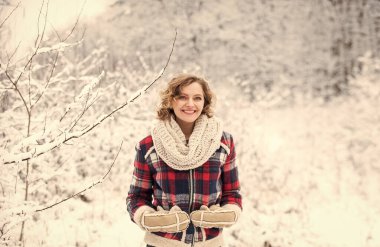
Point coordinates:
[[170, 142]]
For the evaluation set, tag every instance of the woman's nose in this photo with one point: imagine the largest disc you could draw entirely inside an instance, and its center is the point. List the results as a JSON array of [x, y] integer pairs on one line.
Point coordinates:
[[190, 102]]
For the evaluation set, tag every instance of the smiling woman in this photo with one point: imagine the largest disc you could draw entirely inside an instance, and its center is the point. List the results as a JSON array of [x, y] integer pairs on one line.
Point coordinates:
[[185, 99], [185, 187]]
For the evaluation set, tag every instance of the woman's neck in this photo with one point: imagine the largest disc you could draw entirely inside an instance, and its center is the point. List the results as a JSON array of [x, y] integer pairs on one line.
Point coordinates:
[[187, 128]]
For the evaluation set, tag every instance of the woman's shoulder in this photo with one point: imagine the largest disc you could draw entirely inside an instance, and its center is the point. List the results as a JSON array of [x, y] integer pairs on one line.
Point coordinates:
[[227, 141], [226, 137], [145, 144], [146, 140]]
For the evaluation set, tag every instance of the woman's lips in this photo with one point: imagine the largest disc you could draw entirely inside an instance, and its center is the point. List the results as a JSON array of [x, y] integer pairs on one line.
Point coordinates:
[[188, 112]]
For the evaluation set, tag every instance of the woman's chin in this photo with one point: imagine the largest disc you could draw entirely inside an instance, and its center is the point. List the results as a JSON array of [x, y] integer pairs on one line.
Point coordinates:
[[189, 118]]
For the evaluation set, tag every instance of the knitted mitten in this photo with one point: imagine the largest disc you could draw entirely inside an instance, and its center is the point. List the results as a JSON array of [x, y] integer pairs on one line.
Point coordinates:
[[215, 216], [161, 220]]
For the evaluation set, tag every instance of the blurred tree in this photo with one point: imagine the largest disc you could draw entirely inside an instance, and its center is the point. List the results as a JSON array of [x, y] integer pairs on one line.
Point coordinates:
[[307, 47], [351, 38]]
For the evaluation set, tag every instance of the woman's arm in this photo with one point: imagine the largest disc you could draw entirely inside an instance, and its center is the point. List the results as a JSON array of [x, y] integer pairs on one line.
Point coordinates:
[[231, 197], [140, 193]]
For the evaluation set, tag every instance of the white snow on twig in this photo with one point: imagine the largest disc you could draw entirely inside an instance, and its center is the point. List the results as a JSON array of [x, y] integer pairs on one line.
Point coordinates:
[[57, 47], [86, 90]]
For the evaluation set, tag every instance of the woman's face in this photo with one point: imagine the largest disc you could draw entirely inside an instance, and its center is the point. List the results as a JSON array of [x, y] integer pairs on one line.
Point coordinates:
[[188, 105]]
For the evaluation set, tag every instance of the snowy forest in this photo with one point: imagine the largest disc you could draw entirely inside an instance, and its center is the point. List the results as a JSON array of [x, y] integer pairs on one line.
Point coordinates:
[[297, 84]]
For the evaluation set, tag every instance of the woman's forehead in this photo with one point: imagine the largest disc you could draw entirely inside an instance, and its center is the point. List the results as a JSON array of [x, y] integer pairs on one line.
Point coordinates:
[[193, 88]]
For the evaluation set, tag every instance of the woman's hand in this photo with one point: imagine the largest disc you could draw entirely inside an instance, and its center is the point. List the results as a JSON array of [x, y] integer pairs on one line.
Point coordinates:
[[161, 220], [215, 216]]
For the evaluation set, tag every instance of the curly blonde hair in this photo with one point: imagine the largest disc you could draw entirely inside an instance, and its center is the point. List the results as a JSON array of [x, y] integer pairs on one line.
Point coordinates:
[[174, 88]]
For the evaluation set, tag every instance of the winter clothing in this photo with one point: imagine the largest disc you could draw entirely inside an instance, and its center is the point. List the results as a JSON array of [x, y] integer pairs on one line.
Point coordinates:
[[215, 216], [161, 220], [173, 180], [170, 143]]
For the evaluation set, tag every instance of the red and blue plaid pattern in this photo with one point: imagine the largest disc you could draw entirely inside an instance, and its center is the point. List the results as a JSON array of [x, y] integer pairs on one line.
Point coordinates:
[[156, 184]]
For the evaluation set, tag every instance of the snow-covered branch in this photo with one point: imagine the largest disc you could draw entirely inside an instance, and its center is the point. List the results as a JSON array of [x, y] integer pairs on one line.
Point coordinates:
[[67, 136], [22, 212], [88, 188], [58, 47]]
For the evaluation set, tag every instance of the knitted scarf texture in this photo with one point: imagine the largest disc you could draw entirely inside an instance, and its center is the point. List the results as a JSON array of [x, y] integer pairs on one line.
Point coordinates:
[[170, 142]]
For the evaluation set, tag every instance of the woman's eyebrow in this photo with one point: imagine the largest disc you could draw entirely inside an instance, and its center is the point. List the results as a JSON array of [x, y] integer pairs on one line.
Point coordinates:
[[198, 94]]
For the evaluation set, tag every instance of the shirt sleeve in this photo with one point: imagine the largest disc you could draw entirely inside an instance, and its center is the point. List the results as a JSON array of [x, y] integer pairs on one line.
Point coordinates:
[[140, 191], [230, 186]]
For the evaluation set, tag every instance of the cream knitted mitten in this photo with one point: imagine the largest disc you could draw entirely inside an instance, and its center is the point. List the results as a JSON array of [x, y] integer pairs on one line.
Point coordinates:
[[161, 220], [215, 216]]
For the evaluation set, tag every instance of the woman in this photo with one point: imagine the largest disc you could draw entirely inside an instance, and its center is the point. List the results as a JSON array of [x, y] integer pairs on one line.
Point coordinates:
[[185, 185]]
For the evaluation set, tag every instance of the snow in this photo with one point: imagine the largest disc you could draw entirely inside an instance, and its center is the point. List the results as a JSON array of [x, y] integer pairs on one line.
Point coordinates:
[[298, 183], [309, 167]]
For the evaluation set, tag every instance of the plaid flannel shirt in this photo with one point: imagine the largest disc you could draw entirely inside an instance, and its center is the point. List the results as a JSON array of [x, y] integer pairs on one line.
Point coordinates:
[[156, 184]]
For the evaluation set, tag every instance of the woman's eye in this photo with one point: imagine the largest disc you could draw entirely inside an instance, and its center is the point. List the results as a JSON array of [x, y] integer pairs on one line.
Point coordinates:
[[181, 97], [198, 99]]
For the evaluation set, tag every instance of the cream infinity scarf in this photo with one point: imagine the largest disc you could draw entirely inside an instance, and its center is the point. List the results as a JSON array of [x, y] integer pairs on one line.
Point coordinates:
[[170, 142]]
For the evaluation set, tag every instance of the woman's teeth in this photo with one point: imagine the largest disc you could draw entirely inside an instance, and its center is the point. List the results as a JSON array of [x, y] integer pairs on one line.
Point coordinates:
[[189, 111]]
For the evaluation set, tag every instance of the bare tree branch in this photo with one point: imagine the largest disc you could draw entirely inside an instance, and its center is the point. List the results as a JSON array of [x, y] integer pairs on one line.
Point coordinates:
[[85, 108], [58, 47], [10, 57], [40, 38], [48, 80], [88, 188], [38, 23], [55, 31], [18, 91], [72, 29], [6, 18], [76, 22], [37, 46], [3, 229], [29, 87], [14, 158]]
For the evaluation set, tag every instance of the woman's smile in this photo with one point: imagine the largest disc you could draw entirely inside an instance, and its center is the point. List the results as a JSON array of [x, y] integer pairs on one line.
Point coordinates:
[[189, 112]]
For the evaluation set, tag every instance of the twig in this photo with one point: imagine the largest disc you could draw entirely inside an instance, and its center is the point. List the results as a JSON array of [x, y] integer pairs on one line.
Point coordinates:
[[64, 114], [43, 133], [88, 188], [76, 22], [37, 46], [38, 23], [29, 86], [2, 189], [72, 29], [55, 31], [14, 158], [14, 52], [167, 62], [48, 80], [18, 91], [39, 43], [6, 18], [3, 229], [85, 108]]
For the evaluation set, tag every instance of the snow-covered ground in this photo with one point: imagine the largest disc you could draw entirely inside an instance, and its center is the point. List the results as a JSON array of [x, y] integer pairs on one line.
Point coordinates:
[[309, 169], [309, 177]]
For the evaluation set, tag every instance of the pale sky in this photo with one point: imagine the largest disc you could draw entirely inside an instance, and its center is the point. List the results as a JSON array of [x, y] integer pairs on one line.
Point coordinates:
[[62, 15]]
